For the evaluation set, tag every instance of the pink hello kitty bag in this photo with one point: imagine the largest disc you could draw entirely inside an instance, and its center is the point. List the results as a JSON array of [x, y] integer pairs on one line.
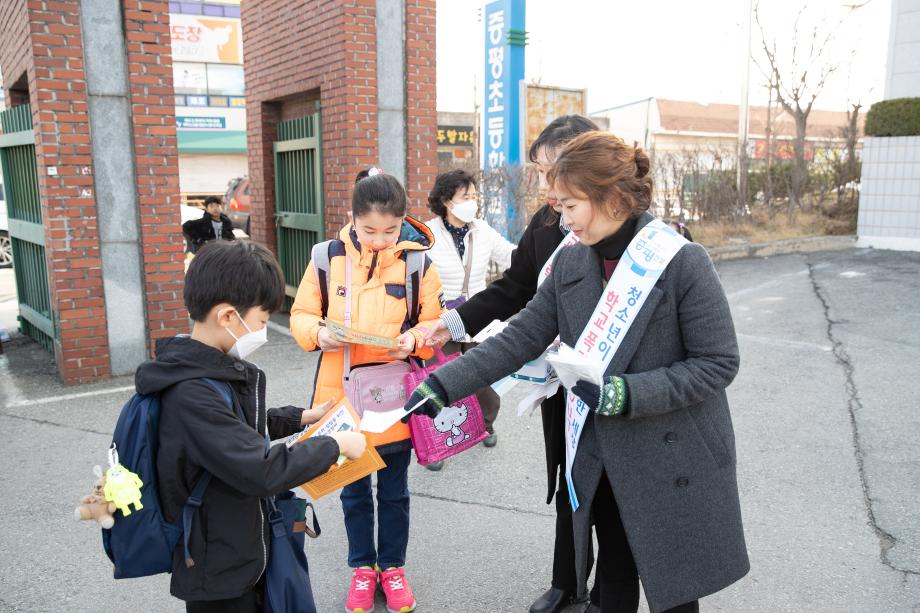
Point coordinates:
[[457, 428]]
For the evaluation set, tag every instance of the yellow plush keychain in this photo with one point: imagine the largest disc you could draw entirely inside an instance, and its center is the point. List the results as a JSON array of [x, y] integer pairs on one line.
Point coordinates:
[[122, 487]]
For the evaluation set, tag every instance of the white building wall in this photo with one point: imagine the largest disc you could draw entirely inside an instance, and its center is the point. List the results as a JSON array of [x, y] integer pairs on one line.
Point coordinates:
[[209, 173], [889, 199], [634, 122], [903, 74]]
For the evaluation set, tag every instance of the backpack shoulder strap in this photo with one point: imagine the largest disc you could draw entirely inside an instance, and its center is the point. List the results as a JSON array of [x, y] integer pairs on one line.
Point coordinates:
[[223, 388], [197, 495], [415, 264], [320, 256]]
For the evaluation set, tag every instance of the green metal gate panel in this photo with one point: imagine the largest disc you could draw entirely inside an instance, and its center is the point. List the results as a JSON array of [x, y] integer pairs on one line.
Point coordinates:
[[20, 181], [298, 196]]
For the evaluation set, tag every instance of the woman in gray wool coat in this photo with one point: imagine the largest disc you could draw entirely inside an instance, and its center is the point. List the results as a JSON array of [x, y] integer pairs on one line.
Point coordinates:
[[655, 465]]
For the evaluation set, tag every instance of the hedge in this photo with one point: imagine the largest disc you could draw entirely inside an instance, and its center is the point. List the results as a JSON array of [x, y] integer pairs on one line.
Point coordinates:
[[898, 117]]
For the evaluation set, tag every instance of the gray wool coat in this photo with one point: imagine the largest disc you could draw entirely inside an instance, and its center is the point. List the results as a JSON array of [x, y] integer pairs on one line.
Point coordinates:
[[670, 458]]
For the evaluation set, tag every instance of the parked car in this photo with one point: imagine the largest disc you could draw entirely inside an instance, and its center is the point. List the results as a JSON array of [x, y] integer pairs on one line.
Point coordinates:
[[237, 199], [6, 246]]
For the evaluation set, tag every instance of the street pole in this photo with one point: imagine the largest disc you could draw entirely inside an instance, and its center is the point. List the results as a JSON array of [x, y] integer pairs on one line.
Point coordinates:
[[743, 112]]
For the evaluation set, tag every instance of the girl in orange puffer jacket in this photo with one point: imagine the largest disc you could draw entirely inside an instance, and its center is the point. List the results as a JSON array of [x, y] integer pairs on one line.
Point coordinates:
[[374, 245]]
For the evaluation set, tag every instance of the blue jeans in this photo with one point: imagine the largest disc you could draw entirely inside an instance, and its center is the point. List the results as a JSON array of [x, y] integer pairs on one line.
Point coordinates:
[[392, 507]]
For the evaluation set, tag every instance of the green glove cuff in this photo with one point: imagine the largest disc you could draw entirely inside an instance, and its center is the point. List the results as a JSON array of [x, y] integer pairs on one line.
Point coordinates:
[[425, 390], [613, 397]]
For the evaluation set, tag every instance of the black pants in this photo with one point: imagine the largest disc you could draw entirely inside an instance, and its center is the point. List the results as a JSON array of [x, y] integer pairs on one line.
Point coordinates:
[[616, 585], [564, 577]]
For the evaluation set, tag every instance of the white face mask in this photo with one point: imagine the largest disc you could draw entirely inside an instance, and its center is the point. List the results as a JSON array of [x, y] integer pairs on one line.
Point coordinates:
[[249, 342], [465, 211]]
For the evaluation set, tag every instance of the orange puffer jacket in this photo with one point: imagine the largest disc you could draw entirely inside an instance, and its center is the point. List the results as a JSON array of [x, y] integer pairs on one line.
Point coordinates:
[[378, 306]]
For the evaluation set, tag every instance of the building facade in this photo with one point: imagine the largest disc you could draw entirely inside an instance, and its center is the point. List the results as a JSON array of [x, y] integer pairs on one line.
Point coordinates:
[[210, 104]]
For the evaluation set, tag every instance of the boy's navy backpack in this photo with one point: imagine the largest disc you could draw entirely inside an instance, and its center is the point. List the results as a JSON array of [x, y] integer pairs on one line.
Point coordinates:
[[142, 543]]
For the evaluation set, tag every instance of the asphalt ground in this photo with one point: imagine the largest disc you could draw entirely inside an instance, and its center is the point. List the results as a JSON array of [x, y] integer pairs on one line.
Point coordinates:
[[826, 420]]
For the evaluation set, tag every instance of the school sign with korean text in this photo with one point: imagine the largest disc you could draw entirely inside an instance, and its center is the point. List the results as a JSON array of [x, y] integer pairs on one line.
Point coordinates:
[[504, 72]]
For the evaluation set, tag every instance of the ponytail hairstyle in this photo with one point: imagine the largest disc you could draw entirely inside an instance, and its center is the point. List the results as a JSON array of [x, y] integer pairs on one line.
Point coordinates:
[[609, 172], [379, 192]]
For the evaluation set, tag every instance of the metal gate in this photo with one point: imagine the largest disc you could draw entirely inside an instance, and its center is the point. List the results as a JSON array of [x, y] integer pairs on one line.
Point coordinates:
[[20, 180], [298, 196]]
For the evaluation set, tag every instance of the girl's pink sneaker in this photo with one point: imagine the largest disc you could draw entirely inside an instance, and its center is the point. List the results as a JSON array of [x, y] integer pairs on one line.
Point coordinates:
[[361, 593], [397, 590]]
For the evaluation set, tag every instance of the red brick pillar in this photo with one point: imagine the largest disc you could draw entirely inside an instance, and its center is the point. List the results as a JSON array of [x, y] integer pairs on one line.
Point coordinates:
[[328, 53], [43, 57], [156, 164], [421, 104]]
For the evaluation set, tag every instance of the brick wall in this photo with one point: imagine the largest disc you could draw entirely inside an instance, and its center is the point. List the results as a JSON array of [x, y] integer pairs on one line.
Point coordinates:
[[421, 104], [53, 60], [60, 114], [156, 164], [14, 52], [328, 52]]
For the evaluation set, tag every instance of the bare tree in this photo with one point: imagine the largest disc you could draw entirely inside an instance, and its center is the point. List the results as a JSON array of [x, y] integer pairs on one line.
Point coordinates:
[[666, 184], [796, 87], [509, 198], [850, 134], [768, 151]]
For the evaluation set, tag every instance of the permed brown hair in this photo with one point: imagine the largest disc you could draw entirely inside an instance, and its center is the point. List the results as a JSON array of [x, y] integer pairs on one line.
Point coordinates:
[[606, 170]]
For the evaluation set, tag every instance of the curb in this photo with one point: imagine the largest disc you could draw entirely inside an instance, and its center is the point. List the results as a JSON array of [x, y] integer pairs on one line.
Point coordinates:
[[806, 244]]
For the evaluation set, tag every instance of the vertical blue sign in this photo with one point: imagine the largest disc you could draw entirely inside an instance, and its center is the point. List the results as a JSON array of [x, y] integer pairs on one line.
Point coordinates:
[[504, 70]]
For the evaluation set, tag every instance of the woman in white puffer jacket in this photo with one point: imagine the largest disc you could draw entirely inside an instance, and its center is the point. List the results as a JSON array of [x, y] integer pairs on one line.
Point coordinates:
[[455, 200], [461, 242]]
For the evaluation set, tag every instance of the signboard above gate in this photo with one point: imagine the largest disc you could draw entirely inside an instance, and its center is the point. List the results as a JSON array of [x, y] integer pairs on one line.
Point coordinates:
[[206, 39]]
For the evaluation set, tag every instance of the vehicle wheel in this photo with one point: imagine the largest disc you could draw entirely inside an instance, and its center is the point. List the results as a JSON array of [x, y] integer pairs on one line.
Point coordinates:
[[248, 233], [6, 250]]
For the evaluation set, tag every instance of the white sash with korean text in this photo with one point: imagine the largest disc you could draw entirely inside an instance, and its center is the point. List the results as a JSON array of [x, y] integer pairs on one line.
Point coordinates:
[[570, 239], [646, 257], [546, 388]]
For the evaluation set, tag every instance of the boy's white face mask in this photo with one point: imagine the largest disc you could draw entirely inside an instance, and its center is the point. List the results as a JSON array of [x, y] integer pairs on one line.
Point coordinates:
[[465, 211], [249, 342]]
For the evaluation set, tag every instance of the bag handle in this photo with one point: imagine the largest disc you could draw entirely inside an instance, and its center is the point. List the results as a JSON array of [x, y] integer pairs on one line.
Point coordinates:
[[316, 530], [440, 360]]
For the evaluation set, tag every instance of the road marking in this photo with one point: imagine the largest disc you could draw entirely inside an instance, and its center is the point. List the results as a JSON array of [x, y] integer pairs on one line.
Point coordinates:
[[850, 274], [779, 342], [30, 401], [278, 328], [778, 280]]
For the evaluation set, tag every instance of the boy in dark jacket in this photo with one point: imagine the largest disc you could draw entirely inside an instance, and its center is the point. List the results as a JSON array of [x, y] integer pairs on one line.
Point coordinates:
[[213, 225], [230, 291]]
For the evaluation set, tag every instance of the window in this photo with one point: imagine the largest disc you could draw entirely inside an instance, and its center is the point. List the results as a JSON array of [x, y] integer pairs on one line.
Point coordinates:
[[196, 100], [189, 78], [195, 82], [225, 80]]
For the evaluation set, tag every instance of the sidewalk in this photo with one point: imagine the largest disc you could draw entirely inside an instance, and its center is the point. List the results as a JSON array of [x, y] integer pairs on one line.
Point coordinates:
[[826, 426]]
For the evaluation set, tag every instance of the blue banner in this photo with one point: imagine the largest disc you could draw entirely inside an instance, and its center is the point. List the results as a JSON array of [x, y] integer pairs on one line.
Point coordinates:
[[504, 71]]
